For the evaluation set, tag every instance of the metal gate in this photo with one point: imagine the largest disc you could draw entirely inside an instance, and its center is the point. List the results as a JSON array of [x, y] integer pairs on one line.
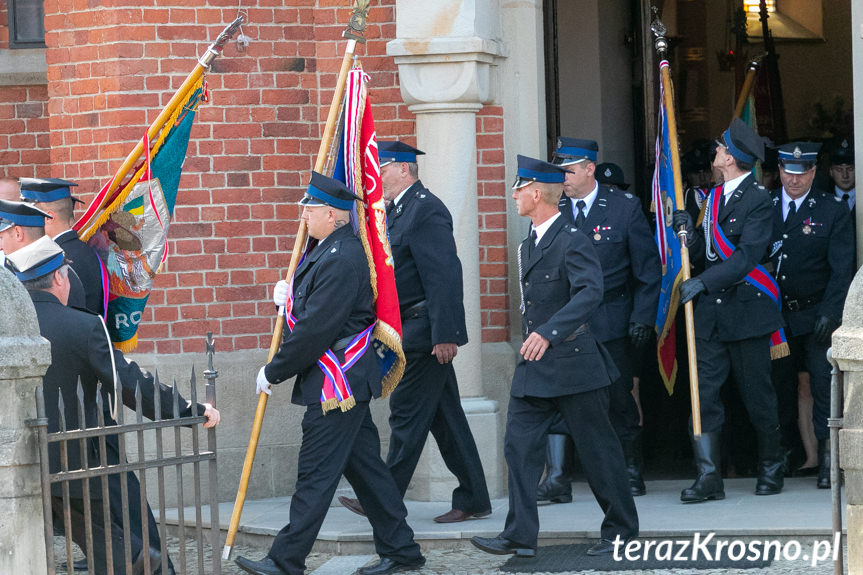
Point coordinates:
[[95, 475]]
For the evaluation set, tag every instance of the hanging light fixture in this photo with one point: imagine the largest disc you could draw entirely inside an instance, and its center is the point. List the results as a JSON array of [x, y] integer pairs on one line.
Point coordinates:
[[755, 6]]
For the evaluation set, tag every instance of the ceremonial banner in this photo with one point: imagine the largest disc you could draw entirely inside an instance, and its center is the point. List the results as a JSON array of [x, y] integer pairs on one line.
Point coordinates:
[[128, 227], [669, 249], [359, 168]]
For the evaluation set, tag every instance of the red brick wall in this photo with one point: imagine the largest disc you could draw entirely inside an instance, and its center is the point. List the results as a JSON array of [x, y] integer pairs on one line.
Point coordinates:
[[23, 131], [4, 26], [111, 68], [23, 122], [492, 196]]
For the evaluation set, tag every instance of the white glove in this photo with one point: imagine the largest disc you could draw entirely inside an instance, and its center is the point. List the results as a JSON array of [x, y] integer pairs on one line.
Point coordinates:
[[280, 293], [263, 384]]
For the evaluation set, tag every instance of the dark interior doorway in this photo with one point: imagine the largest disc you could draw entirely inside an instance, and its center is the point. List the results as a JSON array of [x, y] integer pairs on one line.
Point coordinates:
[[708, 59]]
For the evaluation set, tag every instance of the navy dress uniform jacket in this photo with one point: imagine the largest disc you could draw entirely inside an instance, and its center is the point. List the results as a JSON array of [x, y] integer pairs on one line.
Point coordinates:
[[332, 301], [815, 265], [87, 266], [732, 307], [561, 280], [631, 269], [427, 269], [79, 348]]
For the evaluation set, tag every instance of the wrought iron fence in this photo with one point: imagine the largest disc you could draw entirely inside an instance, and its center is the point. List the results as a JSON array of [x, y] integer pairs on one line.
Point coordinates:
[[99, 472]]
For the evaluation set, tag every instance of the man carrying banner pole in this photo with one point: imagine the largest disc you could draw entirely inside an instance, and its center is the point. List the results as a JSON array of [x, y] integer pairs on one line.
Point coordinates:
[[739, 320], [330, 317], [354, 32]]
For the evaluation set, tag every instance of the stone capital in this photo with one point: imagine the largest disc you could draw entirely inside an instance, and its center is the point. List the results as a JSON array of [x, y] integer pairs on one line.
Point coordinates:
[[446, 74]]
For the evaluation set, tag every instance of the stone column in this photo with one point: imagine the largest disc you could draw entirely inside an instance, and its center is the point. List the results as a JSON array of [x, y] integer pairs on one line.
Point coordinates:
[[24, 357], [445, 57], [848, 352]]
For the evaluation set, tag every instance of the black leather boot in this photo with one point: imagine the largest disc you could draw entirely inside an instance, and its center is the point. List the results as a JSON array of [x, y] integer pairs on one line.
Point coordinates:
[[708, 485], [771, 462], [634, 464], [557, 485], [823, 464]]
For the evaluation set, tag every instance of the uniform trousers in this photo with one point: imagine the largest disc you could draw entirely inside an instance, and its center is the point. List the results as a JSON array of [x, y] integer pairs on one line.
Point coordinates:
[[586, 417], [623, 411], [334, 444], [116, 505], [810, 355], [97, 557], [748, 360], [427, 399]]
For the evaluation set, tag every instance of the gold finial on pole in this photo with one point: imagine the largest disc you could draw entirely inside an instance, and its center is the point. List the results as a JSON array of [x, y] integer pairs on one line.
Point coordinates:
[[357, 25]]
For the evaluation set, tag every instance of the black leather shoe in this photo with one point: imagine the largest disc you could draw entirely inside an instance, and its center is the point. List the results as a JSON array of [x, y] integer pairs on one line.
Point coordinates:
[[603, 547], [634, 464], [352, 504], [502, 546], [708, 485], [387, 565], [771, 462], [265, 566], [79, 565], [557, 486]]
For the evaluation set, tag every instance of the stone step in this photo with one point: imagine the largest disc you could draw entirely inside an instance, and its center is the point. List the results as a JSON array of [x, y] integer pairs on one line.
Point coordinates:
[[800, 510]]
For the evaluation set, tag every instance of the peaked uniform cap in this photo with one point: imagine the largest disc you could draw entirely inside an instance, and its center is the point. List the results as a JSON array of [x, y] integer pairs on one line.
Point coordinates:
[[843, 153], [798, 157], [698, 157], [324, 191], [574, 150], [612, 174], [533, 170], [742, 142], [46, 189], [20, 214], [36, 259], [390, 151]]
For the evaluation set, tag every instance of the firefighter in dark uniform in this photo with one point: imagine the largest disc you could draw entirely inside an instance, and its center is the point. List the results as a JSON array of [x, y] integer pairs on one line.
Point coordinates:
[[614, 223], [429, 284], [814, 268], [54, 197], [332, 306], [734, 319], [842, 173], [81, 352], [611, 175], [22, 224], [562, 370], [697, 176]]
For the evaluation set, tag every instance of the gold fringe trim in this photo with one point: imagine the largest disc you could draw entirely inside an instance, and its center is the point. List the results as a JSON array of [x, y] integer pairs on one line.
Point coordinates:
[[329, 405], [120, 198], [127, 346], [669, 383], [780, 351], [347, 403], [361, 208], [388, 336]]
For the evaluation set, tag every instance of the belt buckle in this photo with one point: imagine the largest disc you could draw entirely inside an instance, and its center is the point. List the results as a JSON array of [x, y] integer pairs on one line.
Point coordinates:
[[792, 305]]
